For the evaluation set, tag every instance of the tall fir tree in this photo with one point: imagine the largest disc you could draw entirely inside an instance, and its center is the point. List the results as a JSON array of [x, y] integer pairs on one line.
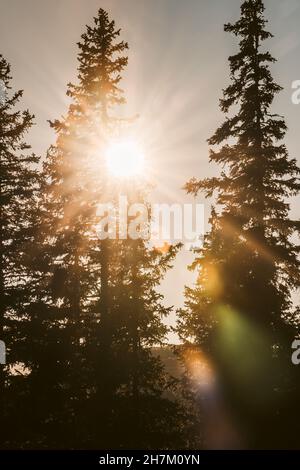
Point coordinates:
[[19, 184], [73, 182], [239, 311], [98, 314]]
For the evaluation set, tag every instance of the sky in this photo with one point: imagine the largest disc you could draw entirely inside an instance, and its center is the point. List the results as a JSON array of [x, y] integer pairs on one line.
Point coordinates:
[[177, 69]]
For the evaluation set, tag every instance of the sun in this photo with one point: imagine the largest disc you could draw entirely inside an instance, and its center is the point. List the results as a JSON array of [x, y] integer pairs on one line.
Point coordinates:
[[124, 159]]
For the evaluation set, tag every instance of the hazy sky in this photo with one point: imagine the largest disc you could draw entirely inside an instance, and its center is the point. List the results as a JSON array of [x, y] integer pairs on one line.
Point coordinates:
[[177, 69]]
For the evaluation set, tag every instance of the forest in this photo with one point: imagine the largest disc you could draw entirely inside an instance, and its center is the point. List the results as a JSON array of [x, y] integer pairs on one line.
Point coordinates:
[[87, 359]]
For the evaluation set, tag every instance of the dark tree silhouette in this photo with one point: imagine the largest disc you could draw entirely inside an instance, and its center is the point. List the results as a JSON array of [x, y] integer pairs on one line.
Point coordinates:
[[71, 262], [19, 184], [98, 314], [240, 309]]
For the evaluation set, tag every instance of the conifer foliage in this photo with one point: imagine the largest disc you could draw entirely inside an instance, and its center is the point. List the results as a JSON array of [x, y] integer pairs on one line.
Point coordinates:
[[81, 314], [19, 184], [248, 266], [99, 313]]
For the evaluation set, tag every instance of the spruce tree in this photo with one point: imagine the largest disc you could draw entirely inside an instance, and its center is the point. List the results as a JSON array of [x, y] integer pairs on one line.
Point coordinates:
[[64, 307], [99, 312], [19, 183], [239, 311]]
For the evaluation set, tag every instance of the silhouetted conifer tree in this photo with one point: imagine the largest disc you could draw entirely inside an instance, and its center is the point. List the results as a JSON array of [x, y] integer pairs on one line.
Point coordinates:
[[239, 311], [100, 314], [19, 184]]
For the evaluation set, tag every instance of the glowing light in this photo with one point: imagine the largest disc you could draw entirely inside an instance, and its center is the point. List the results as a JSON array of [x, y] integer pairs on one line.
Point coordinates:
[[124, 159], [199, 368]]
